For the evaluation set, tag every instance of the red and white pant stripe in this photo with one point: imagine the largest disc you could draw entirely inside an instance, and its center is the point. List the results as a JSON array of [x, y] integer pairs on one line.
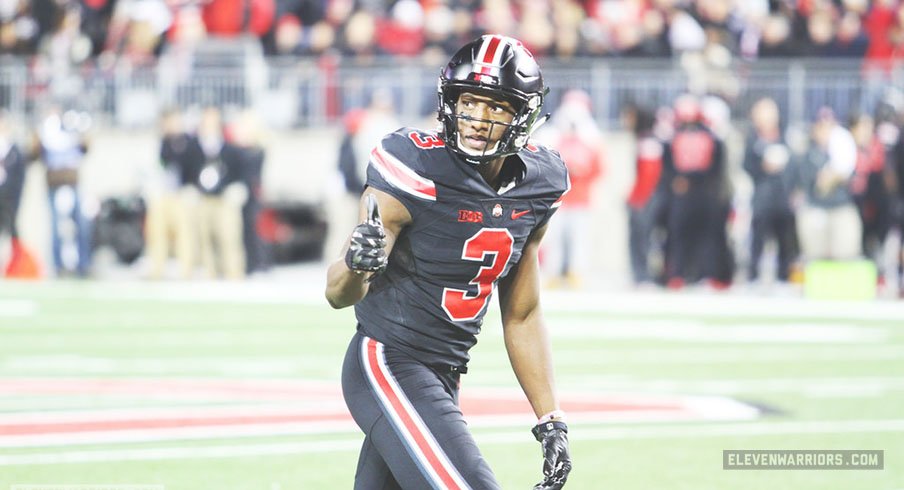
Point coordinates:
[[429, 456]]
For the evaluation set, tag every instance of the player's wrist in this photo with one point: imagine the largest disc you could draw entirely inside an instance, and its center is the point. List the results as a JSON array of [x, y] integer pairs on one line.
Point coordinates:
[[553, 428], [555, 415]]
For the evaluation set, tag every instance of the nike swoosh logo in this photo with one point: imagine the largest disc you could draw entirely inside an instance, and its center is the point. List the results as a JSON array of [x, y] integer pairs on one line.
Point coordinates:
[[518, 214]]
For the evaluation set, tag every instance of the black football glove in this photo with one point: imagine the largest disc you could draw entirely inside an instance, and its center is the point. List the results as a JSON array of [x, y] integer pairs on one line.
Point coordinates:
[[553, 437], [366, 252]]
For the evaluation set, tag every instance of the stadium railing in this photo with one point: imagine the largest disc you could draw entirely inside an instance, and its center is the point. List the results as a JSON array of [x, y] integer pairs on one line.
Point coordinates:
[[298, 93]]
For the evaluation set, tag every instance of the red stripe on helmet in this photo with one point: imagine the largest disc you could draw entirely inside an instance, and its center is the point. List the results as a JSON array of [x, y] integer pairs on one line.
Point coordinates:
[[491, 50]]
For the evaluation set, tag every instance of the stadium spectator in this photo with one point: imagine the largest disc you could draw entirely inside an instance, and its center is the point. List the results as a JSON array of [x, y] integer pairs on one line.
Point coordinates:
[[654, 41], [12, 180], [229, 18], [568, 19], [895, 166], [885, 30], [19, 30], [496, 16], [568, 28], [829, 226], [574, 133], [685, 32], [439, 31], [535, 28], [850, 40], [820, 34], [96, 18], [775, 40], [291, 37], [646, 201], [223, 193], [359, 36], [135, 33], [693, 169], [720, 23], [716, 114], [769, 162], [171, 222], [63, 147], [402, 33], [870, 190], [60, 54], [247, 136], [304, 27]]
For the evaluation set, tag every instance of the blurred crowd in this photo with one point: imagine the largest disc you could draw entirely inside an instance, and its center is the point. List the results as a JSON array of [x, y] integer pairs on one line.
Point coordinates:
[[711, 204], [837, 197], [200, 205], [138, 30], [204, 203]]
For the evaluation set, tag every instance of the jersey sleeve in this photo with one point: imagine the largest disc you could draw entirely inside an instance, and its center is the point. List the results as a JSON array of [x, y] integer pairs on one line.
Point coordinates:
[[395, 167]]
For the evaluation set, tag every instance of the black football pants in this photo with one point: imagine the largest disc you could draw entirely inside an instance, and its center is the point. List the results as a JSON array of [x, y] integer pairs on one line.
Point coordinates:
[[415, 436]]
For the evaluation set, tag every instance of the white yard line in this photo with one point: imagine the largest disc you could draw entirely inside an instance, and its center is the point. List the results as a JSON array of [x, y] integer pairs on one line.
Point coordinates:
[[180, 433], [732, 386], [700, 332], [17, 308], [93, 365], [695, 431], [304, 285], [731, 355], [731, 304], [314, 407]]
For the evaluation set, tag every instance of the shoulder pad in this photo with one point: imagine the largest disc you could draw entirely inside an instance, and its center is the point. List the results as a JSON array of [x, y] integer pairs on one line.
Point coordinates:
[[551, 168], [398, 161], [564, 191]]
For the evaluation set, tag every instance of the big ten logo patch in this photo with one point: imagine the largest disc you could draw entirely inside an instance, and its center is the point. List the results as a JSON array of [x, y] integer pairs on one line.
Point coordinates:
[[466, 216]]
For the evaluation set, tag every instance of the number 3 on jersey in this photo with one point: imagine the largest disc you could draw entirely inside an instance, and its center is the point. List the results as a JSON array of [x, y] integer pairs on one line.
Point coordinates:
[[459, 304]]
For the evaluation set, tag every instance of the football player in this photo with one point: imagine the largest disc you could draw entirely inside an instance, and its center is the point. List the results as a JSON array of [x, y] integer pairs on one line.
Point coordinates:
[[446, 217]]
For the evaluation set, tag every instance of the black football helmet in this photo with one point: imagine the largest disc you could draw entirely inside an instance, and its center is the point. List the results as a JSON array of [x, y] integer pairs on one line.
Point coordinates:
[[502, 68]]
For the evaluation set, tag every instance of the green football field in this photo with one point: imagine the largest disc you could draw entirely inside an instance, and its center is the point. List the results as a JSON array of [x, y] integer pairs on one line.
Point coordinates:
[[236, 387]]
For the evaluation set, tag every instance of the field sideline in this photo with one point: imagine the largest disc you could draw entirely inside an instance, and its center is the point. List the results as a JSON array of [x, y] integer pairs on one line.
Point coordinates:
[[235, 387]]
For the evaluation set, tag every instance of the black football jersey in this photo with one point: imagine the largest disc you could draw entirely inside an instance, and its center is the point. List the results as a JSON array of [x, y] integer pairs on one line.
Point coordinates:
[[464, 236]]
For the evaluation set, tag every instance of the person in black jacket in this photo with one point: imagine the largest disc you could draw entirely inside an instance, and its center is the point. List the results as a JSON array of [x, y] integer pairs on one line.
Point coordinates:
[[693, 170], [172, 202], [246, 135], [895, 176], [223, 193], [768, 161], [12, 180]]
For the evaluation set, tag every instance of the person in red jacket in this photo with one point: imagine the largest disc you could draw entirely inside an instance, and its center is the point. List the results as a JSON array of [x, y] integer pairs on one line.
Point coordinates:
[[645, 202], [869, 186], [229, 18], [575, 135]]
